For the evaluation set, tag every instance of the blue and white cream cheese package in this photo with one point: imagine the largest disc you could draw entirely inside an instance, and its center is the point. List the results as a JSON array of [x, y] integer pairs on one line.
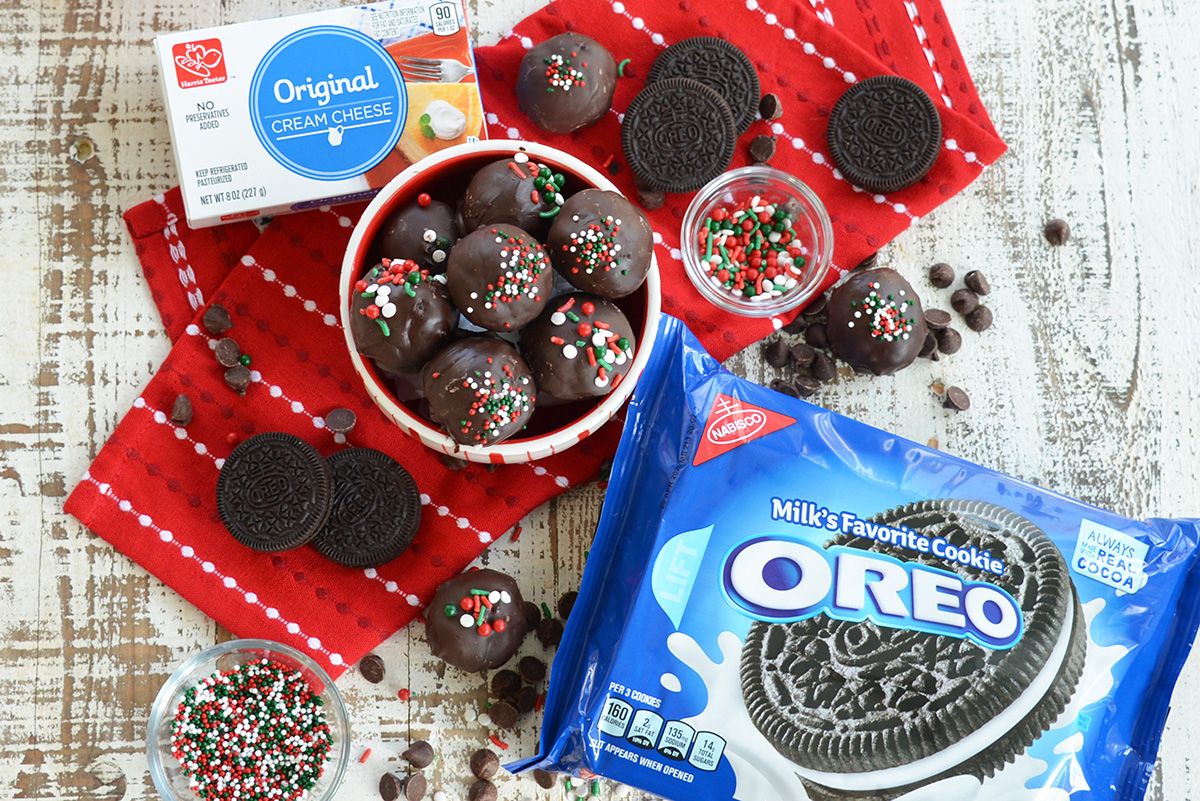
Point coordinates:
[[783, 603]]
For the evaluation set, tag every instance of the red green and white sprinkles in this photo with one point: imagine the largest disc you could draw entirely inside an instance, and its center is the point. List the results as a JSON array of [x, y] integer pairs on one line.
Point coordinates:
[[472, 611], [500, 398], [751, 251], [560, 74], [547, 184], [595, 247], [885, 316], [382, 282], [604, 349], [521, 264], [254, 733]]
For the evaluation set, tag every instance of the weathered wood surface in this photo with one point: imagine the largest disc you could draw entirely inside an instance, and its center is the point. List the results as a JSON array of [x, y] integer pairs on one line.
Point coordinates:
[[1086, 383]]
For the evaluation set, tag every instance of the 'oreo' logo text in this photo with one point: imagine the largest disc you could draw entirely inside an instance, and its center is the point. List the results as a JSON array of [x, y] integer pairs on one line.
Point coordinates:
[[782, 580]]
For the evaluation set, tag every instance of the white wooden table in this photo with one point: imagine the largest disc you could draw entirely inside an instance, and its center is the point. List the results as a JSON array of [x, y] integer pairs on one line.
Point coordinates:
[[1086, 384]]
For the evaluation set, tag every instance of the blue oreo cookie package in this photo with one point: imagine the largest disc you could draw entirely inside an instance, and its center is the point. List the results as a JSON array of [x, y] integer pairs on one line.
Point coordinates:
[[783, 603]]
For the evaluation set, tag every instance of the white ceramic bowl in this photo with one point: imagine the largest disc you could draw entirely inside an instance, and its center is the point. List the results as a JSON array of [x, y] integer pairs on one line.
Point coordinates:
[[552, 429]]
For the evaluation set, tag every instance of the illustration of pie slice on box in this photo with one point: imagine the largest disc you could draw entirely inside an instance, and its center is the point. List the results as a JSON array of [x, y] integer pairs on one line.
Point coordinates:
[[439, 115]]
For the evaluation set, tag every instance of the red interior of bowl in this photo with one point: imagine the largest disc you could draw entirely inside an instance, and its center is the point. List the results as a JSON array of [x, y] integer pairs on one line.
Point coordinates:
[[446, 182]]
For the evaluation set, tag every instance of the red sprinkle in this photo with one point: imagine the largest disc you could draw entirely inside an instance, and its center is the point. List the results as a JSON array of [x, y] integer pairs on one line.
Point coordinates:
[[363, 758], [405, 694], [499, 625], [608, 160], [566, 306], [588, 308], [516, 535], [496, 741], [517, 170], [424, 199]]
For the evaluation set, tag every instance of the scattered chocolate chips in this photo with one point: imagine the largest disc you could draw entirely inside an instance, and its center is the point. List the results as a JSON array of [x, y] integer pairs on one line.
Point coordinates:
[[762, 148], [964, 301], [228, 352], [980, 319], [484, 764], [948, 341], [543, 779], [941, 275], [770, 107], [503, 714], [505, 684], [390, 787], [531, 669], [533, 616], [482, 790], [797, 325], [527, 700], [977, 282], [822, 368], [806, 386], [786, 387], [415, 787], [549, 632], [181, 411], [937, 318], [341, 421], [566, 603], [651, 199], [929, 347], [803, 355], [868, 262], [238, 379], [956, 399], [817, 336], [1057, 232], [819, 302], [216, 319], [776, 353], [371, 668], [419, 754]]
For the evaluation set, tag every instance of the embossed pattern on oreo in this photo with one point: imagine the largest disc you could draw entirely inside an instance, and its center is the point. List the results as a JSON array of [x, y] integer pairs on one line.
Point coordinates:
[[884, 133], [718, 65], [376, 509], [678, 134], [274, 492]]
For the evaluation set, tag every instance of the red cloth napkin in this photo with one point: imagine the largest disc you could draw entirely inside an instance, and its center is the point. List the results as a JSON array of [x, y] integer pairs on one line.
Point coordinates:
[[151, 490]]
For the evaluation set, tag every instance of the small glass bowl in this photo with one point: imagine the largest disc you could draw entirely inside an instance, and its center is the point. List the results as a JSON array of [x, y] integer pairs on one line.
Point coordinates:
[[169, 778], [812, 226]]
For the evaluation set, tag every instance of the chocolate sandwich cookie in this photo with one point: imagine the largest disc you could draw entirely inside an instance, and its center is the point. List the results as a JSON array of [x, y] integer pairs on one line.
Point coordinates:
[[884, 133], [601, 243], [678, 135], [476, 620], [718, 65], [580, 347], [400, 315], [274, 492], [871, 711], [375, 513], [422, 230], [514, 191], [479, 390], [566, 83], [876, 323], [499, 277]]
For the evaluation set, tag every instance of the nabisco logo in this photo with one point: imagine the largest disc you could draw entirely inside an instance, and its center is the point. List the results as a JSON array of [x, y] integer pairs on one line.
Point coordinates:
[[733, 422]]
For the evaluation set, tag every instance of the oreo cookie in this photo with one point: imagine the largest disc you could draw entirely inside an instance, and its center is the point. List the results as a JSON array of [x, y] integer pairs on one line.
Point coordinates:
[[678, 134], [274, 492], [375, 513], [864, 710], [884, 133], [717, 64]]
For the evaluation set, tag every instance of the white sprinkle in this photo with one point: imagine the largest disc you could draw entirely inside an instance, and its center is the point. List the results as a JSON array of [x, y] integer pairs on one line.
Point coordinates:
[[429, 235], [558, 318], [520, 158], [466, 621]]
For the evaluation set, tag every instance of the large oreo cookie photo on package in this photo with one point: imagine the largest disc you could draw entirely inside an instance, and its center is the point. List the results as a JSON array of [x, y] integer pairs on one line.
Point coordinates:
[[785, 604]]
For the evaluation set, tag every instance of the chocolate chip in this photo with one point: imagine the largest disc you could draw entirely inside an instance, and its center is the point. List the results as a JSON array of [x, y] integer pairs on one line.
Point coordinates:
[[776, 353], [1057, 232], [341, 421], [533, 616], [780, 385], [566, 603], [228, 352], [806, 386], [238, 378], [390, 787], [527, 700], [371, 668], [949, 341], [216, 319], [817, 306], [822, 368], [505, 684], [181, 411], [543, 779], [937, 318], [957, 399], [762, 148], [450, 462], [980, 319], [803, 355], [419, 754], [868, 262], [503, 714], [770, 107], [651, 199], [549, 632], [817, 336], [531, 669], [482, 790], [929, 347], [797, 325], [941, 275], [964, 301], [415, 787], [977, 283], [484, 764]]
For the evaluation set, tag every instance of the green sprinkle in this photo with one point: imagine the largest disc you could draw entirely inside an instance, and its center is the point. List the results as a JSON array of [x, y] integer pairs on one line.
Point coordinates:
[[621, 67], [572, 316], [408, 290], [546, 612], [623, 343], [244, 359], [367, 295], [547, 214], [580, 343], [451, 610]]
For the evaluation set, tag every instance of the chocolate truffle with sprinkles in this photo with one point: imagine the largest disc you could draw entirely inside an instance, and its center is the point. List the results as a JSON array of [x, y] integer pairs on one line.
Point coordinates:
[[476, 620], [516, 191], [400, 315], [500, 277], [566, 83], [580, 347], [422, 230], [479, 390], [876, 323], [601, 243]]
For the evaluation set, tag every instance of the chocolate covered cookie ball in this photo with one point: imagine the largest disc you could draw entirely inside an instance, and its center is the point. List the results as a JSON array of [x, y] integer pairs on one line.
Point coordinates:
[[581, 346], [400, 315], [516, 191], [479, 390], [476, 620], [876, 323], [499, 277], [422, 230], [566, 83], [601, 243]]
